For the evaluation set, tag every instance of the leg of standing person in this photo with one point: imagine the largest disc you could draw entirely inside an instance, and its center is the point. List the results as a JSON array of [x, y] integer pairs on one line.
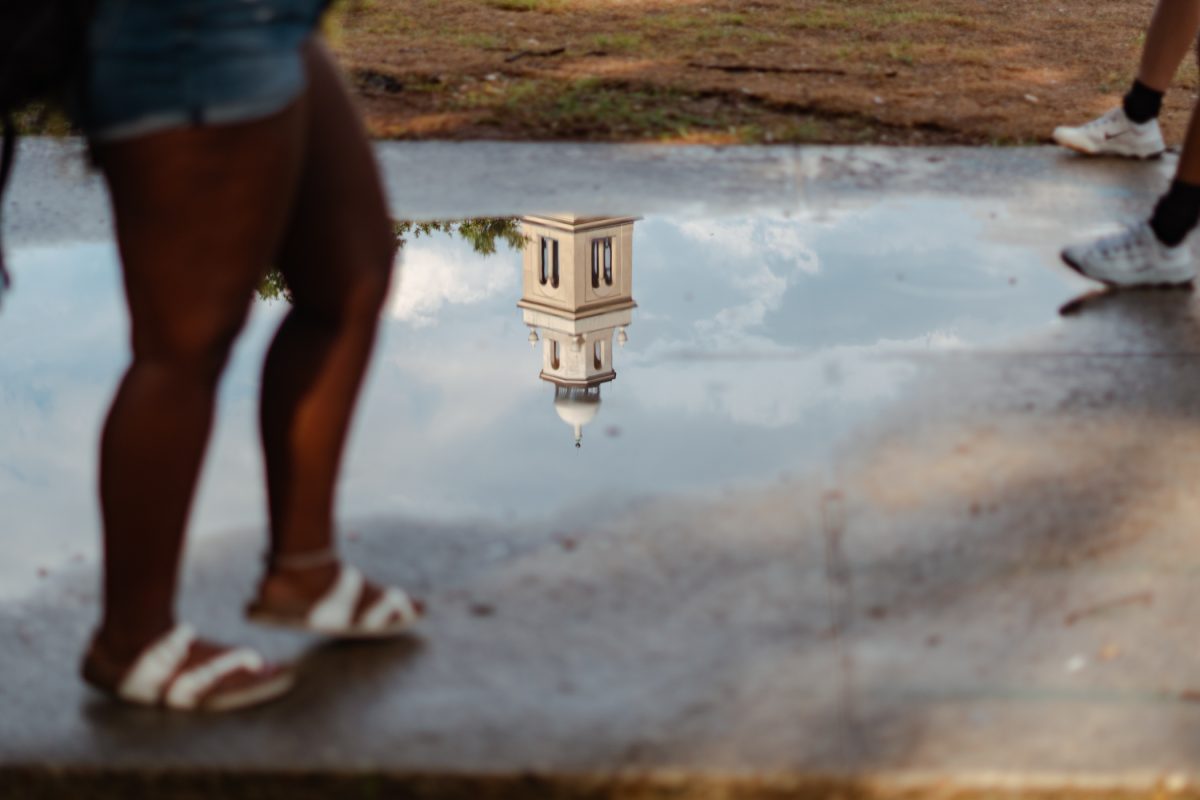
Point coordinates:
[[199, 215], [1154, 252], [1170, 37], [336, 255], [1178, 211], [1132, 128]]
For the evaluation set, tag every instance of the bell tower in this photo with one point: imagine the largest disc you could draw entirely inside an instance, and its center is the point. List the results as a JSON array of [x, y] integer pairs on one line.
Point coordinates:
[[577, 297]]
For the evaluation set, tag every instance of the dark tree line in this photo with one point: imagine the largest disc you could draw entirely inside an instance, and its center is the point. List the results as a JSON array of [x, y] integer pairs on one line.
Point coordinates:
[[485, 234]]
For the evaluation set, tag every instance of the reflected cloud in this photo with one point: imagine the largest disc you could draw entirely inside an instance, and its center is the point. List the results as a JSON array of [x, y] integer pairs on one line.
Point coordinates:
[[756, 343], [773, 253], [433, 275], [777, 240]]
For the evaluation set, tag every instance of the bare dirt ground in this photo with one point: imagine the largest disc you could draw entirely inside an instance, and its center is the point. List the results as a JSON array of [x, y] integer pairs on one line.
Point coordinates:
[[884, 71]]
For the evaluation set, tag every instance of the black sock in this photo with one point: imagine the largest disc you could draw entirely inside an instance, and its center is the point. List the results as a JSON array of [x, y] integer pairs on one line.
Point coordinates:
[[1142, 103], [1177, 213]]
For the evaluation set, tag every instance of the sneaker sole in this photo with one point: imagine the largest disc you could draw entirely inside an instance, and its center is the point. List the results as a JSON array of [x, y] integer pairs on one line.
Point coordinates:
[[1100, 154], [1163, 285], [1086, 147]]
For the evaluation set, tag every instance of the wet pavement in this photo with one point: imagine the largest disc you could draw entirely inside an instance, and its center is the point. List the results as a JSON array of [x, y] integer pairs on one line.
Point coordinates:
[[869, 494]]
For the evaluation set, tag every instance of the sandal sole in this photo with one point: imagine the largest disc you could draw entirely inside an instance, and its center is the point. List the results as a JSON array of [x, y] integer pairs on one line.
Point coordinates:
[[351, 635], [251, 696], [224, 702]]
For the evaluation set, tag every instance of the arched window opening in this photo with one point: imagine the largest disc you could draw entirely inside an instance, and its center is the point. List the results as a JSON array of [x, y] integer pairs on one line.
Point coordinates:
[[598, 355], [554, 361], [549, 265], [602, 261]]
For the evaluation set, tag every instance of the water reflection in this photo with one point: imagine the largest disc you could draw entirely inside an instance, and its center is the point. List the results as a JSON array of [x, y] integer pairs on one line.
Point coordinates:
[[578, 297], [757, 342], [484, 234]]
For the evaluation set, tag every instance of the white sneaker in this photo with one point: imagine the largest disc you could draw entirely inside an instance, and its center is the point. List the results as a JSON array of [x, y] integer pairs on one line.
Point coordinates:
[[1133, 257], [1114, 134]]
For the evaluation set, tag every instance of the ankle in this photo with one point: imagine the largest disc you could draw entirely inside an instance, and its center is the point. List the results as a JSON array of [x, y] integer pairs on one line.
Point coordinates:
[[1142, 103], [284, 560], [294, 591], [297, 587], [1177, 213], [122, 644]]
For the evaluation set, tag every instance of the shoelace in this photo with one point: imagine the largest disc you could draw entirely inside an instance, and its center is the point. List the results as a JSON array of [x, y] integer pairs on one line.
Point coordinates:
[[1101, 122], [1126, 242]]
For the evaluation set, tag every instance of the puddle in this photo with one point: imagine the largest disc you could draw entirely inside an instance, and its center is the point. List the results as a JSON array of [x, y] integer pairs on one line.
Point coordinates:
[[700, 354]]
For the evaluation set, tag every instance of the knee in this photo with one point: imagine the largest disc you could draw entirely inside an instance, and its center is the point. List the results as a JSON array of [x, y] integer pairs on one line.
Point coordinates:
[[191, 345], [368, 291], [362, 286], [373, 278]]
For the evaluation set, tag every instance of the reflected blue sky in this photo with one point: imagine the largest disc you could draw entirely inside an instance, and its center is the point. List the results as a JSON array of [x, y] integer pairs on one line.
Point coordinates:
[[758, 343]]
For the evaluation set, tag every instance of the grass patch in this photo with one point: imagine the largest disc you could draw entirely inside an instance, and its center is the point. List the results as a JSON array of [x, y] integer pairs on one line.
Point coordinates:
[[479, 40], [589, 105], [887, 18], [874, 20], [676, 22], [947, 71], [902, 52], [524, 6], [616, 42], [818, 19], [849, 52]]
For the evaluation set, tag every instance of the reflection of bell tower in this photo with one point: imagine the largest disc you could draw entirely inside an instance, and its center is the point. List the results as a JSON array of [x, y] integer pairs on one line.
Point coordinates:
[[578, 291]]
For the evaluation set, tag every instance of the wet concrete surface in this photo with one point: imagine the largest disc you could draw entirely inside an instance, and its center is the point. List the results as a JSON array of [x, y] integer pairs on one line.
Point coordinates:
[[947, 547], [57, 197], [758, 341]]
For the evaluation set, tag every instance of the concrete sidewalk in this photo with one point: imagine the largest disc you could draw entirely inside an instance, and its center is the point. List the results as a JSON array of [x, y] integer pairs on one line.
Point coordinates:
[[55, 196], [989, 592]]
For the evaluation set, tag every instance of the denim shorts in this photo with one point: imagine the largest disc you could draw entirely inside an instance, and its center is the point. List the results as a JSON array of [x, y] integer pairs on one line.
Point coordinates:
[[162, 64]]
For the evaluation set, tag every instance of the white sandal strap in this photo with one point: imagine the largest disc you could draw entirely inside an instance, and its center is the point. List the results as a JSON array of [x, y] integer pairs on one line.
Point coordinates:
[[155, 666], [302, 561], [391, 603], [190, 685], [335, 611]]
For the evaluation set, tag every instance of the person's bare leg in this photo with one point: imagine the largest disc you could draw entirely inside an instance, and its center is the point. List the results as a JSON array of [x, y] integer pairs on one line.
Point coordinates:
[[1188, 169], [336, 256], [1177, 212], [199, 214], [1152, 253], [1170, 36]]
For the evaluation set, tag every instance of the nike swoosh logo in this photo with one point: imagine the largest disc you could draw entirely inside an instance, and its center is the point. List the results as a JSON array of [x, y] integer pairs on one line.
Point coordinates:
[[1110, 136]]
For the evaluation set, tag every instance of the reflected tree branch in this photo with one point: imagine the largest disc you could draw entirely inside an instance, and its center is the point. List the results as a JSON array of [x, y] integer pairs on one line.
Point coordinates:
[[485, 235]]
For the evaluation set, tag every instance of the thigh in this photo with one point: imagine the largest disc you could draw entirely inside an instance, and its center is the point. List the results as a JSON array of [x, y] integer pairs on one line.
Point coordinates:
[[199, 215], [339, 243]]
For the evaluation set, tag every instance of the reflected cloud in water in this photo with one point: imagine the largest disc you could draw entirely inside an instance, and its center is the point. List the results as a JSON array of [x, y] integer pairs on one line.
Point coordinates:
[[754, 344]]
